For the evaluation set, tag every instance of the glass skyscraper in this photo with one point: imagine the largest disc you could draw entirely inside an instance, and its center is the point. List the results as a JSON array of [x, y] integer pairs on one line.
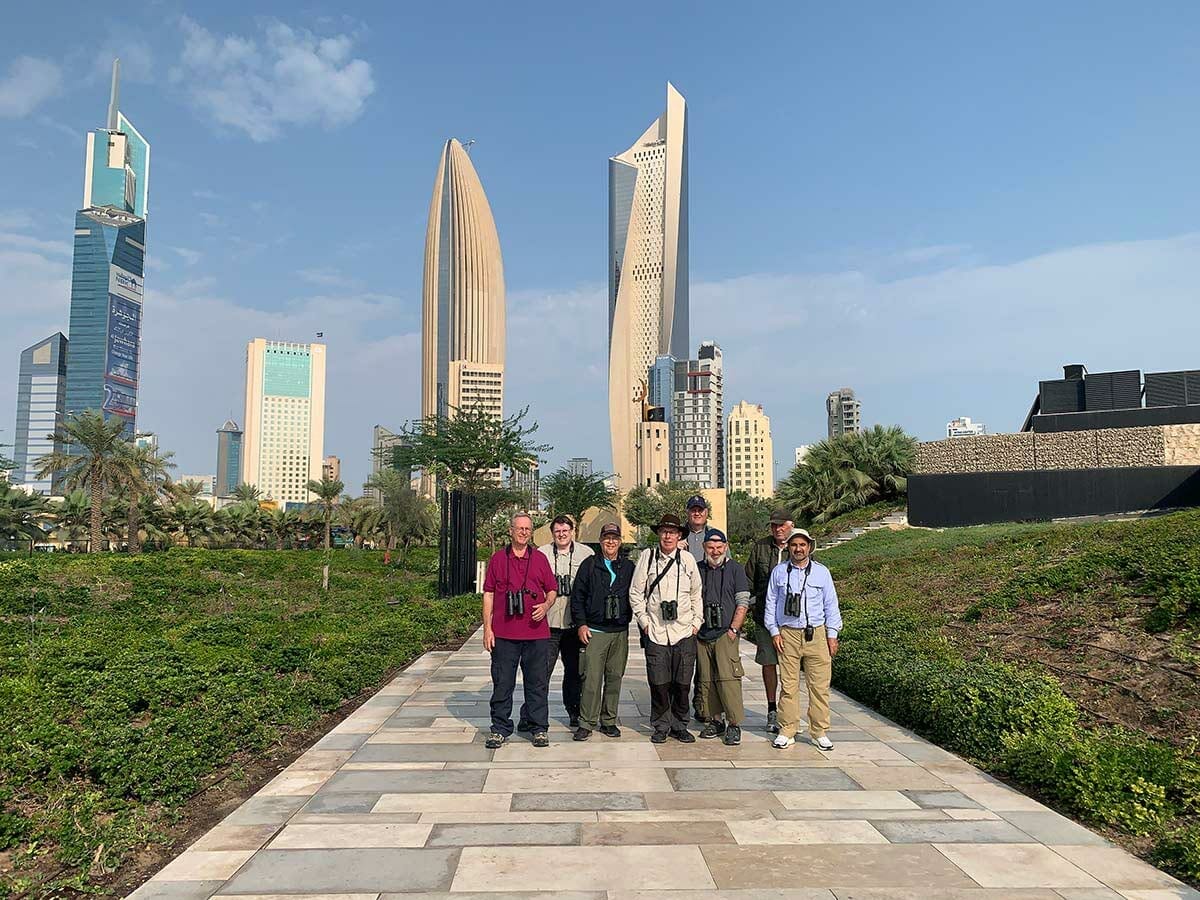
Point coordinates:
[[107, 271], [229, 458], [41, 393]]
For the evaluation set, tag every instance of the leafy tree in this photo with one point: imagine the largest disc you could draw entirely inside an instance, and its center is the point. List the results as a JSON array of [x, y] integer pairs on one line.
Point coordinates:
[[22, 514], [362, 516], [748, 517], [848, 472], [572, 494], [406, 517], [91, 459], [644, 506], [144, 474], [328, 490], [466, 449], [246, 492], [494, 505]]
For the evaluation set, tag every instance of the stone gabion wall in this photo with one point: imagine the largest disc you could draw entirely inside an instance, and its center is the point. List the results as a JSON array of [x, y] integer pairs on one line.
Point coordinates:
[[1182, 444], [1105, 448]]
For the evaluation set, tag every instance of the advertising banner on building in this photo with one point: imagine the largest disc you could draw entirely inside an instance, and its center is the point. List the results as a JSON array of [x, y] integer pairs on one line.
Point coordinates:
[[124, 342]]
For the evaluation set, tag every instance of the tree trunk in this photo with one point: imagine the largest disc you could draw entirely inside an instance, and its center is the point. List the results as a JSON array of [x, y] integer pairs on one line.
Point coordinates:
[[132, 540], [328, 539], [97, 517]]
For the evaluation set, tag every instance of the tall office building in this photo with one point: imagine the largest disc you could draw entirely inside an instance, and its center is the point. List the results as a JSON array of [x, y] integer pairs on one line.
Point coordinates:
[[964, 427], [284, 438], [229, 458], [106, 276], [647, 276], [41, 396], [751, 465], [580, 465], [844, 411], [698, 419], [462, 321], [382, 442], [530, 482], [331, 468]]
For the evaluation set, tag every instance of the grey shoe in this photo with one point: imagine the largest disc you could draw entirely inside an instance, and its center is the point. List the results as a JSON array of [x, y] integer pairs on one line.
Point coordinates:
[[713, 729], [581, 734], [773, 722], [733, 736], [495, 740]]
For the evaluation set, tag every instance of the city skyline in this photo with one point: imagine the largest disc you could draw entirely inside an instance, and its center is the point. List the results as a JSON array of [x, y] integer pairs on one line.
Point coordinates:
[[965, 226]]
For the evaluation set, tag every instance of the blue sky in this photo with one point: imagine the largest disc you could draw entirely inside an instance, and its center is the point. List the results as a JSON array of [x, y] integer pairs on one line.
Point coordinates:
[[937, 205]]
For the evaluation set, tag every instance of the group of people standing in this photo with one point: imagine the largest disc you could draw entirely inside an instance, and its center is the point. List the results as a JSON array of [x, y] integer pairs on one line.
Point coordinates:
[[689, 599]]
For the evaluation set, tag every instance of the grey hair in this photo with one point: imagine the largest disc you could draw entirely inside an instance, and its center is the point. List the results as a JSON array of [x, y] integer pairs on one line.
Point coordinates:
[[519, 515]]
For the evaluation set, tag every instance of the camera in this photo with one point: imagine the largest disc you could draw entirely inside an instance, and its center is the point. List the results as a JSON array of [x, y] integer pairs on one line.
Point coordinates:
[[668, 610], [808, 633], [712, 615], [564, 585], [612, 607], [516, 603], [792, 605]]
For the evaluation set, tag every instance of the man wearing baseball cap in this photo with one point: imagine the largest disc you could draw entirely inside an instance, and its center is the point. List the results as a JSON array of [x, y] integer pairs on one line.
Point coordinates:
[[803, 618], [697, 522], [765, 555], [666, 599], [718, 649], [601, 612]]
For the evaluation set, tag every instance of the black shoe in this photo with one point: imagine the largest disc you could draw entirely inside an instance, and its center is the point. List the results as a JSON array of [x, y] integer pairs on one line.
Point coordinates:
[[495, 740], [733, 736], [713, 729], [581, 734], [610, 731], [573, 721], [683, 736], [524, 726], [659, 737], [541, 739]]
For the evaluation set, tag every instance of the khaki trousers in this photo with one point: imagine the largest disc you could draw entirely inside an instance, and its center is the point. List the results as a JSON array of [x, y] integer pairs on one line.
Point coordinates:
[[719, 666], [602, 667], [813, 657]]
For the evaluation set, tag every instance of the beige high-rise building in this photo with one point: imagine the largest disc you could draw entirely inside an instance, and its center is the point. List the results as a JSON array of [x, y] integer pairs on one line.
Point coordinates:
[[647, 277], [284, 436], [331, 468], [751, 468], [462, 319], [654, 452]]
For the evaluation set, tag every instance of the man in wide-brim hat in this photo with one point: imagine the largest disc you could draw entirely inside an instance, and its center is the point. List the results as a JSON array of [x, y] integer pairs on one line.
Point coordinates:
[[666, 599]]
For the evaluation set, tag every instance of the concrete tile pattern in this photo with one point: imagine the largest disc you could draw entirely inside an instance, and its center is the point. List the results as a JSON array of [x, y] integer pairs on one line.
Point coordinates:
[[403, 799]]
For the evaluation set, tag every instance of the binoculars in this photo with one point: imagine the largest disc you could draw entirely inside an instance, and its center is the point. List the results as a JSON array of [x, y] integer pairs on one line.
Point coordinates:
[[712, 615], [668, 610], [564, 585], [793, 605], [516, 603], [612, 607]]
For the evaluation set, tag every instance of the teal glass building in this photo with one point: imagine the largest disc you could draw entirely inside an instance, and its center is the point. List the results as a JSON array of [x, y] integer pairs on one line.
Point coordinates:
[[41, 394]]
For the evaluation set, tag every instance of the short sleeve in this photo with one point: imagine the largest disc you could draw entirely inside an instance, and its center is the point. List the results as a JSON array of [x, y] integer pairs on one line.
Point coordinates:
[[548, 581], [492, 576]]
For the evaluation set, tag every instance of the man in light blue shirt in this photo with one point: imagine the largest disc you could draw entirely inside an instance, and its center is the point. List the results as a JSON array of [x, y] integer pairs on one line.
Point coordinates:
[[801, 613]]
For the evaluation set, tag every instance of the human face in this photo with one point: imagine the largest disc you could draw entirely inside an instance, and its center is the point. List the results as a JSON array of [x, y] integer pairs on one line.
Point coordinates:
[[715, 551], [798, 549], [668, 539], [611, 545], [697, 517], [521, 531], [780, 532], [563, 535]]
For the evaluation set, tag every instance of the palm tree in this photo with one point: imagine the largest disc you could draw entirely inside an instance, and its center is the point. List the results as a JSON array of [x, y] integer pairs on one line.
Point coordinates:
[[573, 494], [405, 516], [327, 490], [71, 517], [282, 524], [193, 520], [189, 489], [145, 474], [241, 522], [246, 493], [22, 514], [90, 459], [361, 515]]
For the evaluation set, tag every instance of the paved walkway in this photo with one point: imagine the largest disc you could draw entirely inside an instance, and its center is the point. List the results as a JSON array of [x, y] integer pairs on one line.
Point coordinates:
[[403, 797]]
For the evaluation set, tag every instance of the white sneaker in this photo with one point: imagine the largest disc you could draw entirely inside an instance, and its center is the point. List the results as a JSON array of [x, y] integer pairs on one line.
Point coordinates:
[[823, 743], [782, 743]]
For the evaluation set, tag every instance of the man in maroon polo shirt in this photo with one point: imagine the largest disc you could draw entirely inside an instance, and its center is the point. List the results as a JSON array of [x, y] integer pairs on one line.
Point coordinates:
[[518, 590]]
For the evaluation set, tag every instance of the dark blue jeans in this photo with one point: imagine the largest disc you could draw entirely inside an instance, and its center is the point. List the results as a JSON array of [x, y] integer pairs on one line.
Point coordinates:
[[507, 655]]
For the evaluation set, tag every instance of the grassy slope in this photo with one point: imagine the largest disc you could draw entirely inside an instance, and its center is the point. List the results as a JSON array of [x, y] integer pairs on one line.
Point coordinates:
[[136, 679], [1109, 611]]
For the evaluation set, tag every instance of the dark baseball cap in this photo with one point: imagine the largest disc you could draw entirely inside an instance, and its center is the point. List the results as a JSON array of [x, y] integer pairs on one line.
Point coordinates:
[[610, 528], [780, 516], [715, 534], [697, 500]]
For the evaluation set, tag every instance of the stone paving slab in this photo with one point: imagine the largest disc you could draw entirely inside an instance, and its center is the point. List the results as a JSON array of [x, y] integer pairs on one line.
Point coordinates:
[[403, 800]]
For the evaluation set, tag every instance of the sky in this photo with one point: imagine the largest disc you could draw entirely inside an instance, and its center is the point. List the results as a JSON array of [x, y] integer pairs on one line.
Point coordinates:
[[937, 204]]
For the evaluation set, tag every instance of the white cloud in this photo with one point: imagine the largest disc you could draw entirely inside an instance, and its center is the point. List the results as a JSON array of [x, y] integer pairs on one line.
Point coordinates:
[[25, 242], [284, 77], [205, 194], [189, 257], [29, 82], [137, 59], [329, 277]]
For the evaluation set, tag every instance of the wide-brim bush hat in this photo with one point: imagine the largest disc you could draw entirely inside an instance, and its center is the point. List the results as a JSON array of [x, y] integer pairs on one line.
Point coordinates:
[[800, 532], [669, 521]]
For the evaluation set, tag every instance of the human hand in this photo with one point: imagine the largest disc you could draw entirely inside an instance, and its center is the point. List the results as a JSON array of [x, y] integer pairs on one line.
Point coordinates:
[[833, 646], [585, 634], [489, 640], [695, 630], [539, 611], [731, 634], [778, 642]]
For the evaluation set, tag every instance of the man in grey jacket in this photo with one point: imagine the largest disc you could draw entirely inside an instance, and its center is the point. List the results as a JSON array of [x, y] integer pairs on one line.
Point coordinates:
[[666, 599]]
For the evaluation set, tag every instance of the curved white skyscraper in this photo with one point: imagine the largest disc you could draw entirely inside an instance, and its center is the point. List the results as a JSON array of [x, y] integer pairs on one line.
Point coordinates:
[[462, 321], [647, 275]]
